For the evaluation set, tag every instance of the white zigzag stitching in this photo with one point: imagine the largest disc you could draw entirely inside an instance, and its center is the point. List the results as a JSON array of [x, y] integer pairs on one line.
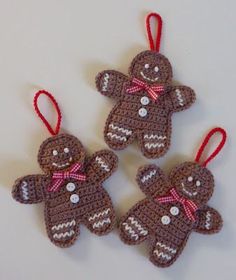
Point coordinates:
[[64, 225], [148, 176], [121, 138], [154, 136], [101, 223], [25, 192], [179, 96], [154, 145], [62, 235], [105, 83], [98, 215], [208, 219], [172, 250], [162, 255], [131, 231], [102, 163], [142, 231], [123, 130]]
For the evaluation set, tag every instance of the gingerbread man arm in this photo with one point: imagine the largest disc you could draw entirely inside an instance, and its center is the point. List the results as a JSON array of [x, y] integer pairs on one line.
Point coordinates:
[[111, 83], [152, 180], [30, 189], [101, 165], [182, 97], [209, 221]]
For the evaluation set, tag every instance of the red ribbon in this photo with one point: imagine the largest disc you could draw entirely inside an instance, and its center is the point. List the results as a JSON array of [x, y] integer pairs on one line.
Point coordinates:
[[153, 91], [60, 177], [189, 206]]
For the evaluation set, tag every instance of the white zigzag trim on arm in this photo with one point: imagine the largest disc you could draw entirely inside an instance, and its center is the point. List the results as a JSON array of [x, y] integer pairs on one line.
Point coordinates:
[[179, 96], [63, 235], [130, 231], [162, 255], [123, 130], [141, 230], [154, 145], [102, 164], [64, 225], [208, 220], [148, 176], [105, 82], [113, 135], [101, 223], [154, 136], [162, 245], [101, 214], [25, 191]]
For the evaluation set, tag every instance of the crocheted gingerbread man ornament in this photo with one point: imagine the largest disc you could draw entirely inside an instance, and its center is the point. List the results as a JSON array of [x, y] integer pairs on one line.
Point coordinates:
[[71, 186], [146, 101], [175, 206]]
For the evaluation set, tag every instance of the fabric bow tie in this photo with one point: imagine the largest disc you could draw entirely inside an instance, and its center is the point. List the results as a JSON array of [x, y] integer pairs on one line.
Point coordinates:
[[189, 206], [153, 91], [60, 177]]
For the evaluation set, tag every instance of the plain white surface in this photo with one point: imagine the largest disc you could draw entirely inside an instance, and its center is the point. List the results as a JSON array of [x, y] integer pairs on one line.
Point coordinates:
[[60, 46]]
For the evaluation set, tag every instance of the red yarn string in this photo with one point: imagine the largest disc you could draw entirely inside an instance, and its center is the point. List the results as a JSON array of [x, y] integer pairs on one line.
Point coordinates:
[[55, 104], [205, 142], [158, 18]]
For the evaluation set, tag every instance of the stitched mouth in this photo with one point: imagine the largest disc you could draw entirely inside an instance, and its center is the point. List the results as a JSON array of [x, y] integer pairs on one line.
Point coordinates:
[[190, 194], [63, 164], [147, 78]]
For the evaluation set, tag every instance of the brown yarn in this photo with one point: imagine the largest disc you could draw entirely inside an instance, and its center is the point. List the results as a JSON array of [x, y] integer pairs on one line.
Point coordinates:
[[92, 206], [125, 122], [166, 225]]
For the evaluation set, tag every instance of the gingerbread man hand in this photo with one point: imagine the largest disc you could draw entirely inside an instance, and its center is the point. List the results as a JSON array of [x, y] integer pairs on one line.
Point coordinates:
[[71, 189], [145, 102]]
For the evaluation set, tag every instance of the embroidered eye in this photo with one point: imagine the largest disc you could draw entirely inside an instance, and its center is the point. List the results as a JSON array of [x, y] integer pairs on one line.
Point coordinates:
[[190, 179], [156, 69], [66, 150], [198, 183], [146, 66], [55, 152]]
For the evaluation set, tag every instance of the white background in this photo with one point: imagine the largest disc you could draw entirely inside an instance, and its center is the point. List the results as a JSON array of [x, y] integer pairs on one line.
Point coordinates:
[[60, 46]]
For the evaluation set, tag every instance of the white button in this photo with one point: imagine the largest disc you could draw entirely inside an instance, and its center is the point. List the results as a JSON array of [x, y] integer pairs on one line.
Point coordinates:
[[174, 211], [165, 220], [144, 100], [70, 187], [74, 198], [142, 112]]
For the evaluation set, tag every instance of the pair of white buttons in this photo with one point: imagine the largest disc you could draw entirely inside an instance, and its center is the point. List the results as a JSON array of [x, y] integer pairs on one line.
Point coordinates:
[[74, 198], [142, 111], [166, 219]]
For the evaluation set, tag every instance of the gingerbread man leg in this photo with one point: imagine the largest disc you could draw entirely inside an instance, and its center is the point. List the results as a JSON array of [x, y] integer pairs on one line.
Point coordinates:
[[155, 143], [62, 231], [165, 249], [118, 135]]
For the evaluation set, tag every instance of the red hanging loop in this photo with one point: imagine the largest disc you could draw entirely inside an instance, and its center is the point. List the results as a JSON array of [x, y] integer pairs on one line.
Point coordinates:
[[205, 142], [159, 31], [55, 104]]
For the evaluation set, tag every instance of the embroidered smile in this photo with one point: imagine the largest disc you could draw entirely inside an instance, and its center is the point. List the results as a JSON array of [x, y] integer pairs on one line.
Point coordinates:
[[188, 192], [63, 164], [147, 78]]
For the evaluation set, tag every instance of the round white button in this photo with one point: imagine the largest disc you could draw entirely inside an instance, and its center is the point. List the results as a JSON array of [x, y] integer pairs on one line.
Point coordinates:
[[70, 187], [144, 100], [74, 198], [142, 112], [165, 220], [174, 211]]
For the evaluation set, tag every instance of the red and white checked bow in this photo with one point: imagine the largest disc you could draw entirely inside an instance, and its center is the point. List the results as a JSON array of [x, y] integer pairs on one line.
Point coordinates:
[[189, 206], [153, 91], [60, 177]]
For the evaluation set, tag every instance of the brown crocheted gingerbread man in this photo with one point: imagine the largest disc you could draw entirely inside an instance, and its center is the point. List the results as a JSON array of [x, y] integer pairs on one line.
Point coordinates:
[[71, 189], [145, 103], [175, 206]]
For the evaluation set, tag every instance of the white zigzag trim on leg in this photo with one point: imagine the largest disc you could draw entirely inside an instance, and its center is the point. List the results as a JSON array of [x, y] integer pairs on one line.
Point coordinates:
[[105, 82], [25, 191], [117, 137], [63, 235], [154, 136], [208, 220], [179, 96], [64, 225], [141, 230], [162, 245], [130, 231], [148, 176], [162, 255], [154, 145], [121, 129], [102, 164], [101, 223], [101, 214]]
